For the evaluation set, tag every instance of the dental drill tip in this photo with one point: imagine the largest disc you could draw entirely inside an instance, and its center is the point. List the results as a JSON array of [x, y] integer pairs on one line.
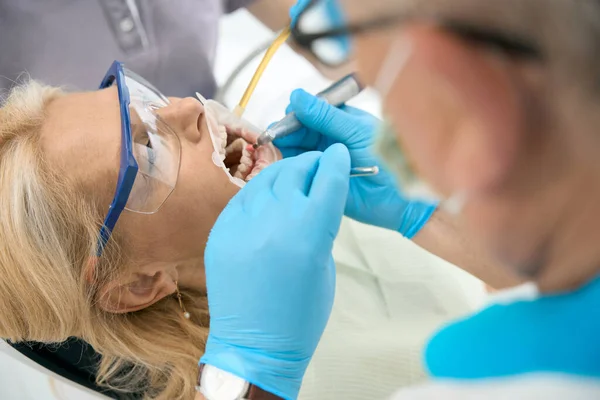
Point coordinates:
[[265, 138], [357, 172]]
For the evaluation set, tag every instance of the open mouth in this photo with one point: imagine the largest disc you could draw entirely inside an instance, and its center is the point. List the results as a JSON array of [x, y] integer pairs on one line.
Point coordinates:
[[241, 160], [232, 138]]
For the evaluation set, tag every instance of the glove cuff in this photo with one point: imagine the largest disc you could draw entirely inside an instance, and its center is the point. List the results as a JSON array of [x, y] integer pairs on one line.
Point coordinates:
[[414, 217], [279, 377]]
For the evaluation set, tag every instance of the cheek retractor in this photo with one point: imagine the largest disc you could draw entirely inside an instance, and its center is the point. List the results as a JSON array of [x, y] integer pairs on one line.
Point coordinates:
[[218, 137], [231, 137]]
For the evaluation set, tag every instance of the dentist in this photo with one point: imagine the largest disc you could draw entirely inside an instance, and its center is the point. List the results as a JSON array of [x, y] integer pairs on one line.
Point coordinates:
[[497, 105]]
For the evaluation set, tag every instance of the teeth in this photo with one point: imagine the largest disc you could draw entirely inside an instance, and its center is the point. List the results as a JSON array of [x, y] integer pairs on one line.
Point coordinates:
[[220, 138], [245, 160], [222, 132], [251, 176], [237, 145], [245, 151], [260, 165]]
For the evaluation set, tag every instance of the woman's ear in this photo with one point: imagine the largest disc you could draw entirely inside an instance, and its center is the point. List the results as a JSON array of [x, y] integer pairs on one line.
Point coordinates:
[[457, 106], [136, 292]]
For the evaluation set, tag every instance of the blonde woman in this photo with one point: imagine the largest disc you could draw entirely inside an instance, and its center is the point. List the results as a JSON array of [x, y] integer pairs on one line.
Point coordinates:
[[71, 266], [64, 271]]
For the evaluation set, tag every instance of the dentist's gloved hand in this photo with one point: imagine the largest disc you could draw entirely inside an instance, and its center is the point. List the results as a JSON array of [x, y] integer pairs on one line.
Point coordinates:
[[269, 270], [373, 200]]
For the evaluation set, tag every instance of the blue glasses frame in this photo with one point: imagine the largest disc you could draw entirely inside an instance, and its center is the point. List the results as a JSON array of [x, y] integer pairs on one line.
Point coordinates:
[[128, 166]]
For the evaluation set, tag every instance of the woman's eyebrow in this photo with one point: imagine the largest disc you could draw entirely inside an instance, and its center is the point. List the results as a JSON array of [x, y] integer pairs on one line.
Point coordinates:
[[513, 44]]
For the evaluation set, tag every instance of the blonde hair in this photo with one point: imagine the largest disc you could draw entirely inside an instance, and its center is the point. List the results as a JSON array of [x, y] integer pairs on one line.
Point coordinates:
[[48, 231]]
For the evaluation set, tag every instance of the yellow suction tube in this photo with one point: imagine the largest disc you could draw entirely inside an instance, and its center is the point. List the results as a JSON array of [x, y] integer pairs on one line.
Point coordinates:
[[279, 40]]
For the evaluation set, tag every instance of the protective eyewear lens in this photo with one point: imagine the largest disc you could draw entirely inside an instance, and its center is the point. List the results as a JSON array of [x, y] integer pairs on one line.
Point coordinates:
[[155, 147]]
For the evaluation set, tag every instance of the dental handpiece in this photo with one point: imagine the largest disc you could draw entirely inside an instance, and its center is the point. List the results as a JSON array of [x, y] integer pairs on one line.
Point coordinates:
[[336, 95]]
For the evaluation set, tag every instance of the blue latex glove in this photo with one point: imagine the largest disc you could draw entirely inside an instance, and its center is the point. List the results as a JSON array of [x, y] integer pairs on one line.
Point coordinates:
[[373, 200], [269, 270]]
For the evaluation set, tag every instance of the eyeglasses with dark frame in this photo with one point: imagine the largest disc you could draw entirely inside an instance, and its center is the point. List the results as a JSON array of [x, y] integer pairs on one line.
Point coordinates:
[[512, 44]]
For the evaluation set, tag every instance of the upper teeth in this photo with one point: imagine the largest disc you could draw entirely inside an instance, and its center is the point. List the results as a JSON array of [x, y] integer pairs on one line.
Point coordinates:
[[246, 161], [222, 136], [236, 146]]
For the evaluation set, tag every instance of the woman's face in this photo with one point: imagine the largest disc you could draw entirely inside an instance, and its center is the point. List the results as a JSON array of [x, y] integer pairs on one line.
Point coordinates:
[[82, 138]]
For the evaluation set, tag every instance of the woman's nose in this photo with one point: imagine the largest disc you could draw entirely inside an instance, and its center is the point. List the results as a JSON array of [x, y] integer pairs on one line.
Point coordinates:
[[183, 116]]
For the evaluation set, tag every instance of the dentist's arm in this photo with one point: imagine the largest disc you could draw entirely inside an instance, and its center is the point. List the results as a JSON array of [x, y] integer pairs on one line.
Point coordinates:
[[270, 297], [377, 200]]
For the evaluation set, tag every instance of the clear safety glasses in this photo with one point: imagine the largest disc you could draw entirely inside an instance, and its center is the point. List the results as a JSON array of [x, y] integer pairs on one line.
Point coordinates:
[[325, 28], [150, 149]]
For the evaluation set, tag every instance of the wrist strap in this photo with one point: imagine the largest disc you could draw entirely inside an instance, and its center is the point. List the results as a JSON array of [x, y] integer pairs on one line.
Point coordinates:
[[254, 392]]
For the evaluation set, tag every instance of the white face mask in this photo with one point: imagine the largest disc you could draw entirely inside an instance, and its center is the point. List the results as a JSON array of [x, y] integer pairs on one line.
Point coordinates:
[[387, 147]]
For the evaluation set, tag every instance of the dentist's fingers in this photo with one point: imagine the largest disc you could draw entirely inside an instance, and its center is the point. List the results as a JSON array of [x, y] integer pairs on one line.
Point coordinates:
[[303, 139], [330, 185], [291, 151], [295, 139], [262, 182], [315, 113], [255, 195], [295, 175]]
